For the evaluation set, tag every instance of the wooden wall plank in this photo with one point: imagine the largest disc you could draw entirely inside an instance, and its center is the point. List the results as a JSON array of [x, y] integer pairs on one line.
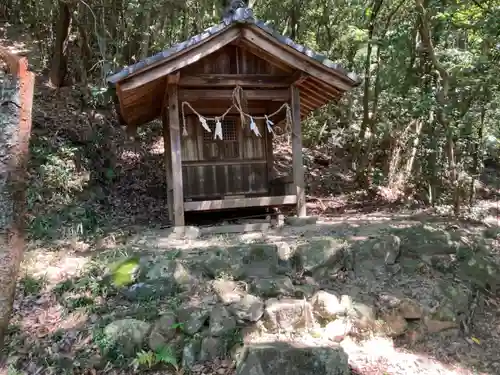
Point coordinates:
[[239, 203]]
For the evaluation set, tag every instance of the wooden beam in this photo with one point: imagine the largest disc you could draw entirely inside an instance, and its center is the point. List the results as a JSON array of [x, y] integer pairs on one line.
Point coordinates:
[[204, 163], [232, 80], [239, 203], [294, 58], [316, 84], [182, 60], [298, 77], [312, 95], [121, 107], [173, 78], [175, 154], [267, 95], [218, 110], [236, 228], [308, 106], [297, 161], [273, 60]]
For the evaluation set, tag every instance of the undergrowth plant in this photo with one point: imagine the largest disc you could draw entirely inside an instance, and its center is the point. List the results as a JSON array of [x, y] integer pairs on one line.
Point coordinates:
[[149, 359]]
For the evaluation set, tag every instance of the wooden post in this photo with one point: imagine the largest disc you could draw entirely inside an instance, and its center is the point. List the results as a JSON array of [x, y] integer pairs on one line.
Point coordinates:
[[298, 166], [16, 102], [175, 149], [167, 158]]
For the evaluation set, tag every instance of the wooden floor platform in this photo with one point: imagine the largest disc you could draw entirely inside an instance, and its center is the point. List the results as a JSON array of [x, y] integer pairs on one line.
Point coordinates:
[[224, 204]]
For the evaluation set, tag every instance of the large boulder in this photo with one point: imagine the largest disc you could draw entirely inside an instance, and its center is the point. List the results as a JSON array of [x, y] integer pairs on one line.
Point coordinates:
[[212, 348], [191, 352], [164, 330], [288, 315], [454, 302], [246, 261], [245, 307], [143, 291], [362, 315], [389, 248], [249, 308], [126, 335], [426, 239], [284, 358], [327, 305], [172, 272], [193, 318], [321, 252], [221, 321], [393, 324], [227, 291], [273, 286], [482, 271], [337, 330]]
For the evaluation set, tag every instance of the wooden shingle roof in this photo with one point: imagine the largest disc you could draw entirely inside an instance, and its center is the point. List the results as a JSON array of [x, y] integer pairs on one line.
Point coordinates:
[[325, 80]]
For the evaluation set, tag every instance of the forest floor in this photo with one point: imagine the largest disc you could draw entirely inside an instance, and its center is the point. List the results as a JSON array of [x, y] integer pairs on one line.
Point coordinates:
[[96, 197]]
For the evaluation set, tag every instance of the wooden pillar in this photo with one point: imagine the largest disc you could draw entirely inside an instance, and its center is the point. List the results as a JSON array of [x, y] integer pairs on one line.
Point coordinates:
[[298, 165], [175, 149], [168, 159]]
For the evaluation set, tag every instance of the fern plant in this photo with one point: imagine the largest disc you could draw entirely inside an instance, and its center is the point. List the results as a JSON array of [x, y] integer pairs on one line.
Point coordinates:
[[166, 355], [144, 359], [149, 359]]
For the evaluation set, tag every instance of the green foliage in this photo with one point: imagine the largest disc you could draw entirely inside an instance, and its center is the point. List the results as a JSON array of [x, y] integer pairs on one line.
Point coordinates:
[[376, 124], [149, 359], [144, 359], [11, 370], [31, 284]]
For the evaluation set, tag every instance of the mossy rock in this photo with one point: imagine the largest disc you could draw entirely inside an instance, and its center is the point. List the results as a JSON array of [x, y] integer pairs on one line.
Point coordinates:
[[481, 271], [427, 240], [320, 253], [126, 336]]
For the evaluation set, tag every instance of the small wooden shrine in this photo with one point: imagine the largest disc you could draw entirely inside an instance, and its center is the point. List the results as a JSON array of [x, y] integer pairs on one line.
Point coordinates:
[[222, 95]]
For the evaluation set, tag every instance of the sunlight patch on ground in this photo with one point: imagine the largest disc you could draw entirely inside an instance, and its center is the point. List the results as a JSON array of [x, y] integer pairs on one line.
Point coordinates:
[[54, 266], [379, 353]]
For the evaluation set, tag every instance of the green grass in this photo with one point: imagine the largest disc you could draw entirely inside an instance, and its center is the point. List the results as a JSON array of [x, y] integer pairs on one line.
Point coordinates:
[[32, 285]]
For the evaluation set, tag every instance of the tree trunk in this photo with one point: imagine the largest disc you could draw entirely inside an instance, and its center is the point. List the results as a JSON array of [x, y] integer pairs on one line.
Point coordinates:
[[442, 97], [414, 149], [16, 97], [362, 159], [477, 157], [59, 65]]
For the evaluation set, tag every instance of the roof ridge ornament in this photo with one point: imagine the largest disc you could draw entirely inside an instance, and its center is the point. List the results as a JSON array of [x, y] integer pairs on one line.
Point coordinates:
[[238, 11]]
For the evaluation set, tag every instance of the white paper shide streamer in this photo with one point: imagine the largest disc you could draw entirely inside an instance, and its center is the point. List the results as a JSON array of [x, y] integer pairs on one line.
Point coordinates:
[[218, 129], [218, 134], [203, 122], [254, 127], [269, 125]]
